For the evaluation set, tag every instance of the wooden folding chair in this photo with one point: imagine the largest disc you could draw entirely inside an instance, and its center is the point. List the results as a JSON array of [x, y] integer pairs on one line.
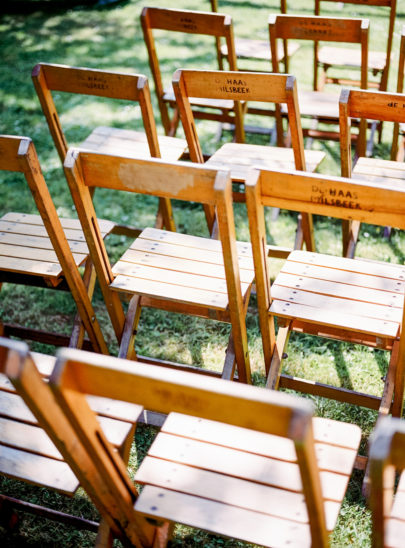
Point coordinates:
[[240, 157], [49, 78], [318, 105], [174, 272], [368, 105], [257, 50], [199, 23], [329, 57], [44, 251], [235, 460], [398, 151], [387, 457], [35, 437], [333, 297]]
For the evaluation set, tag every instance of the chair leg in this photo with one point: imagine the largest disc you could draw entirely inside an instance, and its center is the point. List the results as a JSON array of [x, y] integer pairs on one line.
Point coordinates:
[[350, 235], [127, 349], [273, 377], [164, 217], [104, 537], [78, 331], [228, 371], [398, 400], [174, 122]]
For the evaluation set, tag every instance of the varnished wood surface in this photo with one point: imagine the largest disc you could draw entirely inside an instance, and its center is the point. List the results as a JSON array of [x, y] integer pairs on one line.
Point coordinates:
[[242, 483], [179, 267], [240, 158]]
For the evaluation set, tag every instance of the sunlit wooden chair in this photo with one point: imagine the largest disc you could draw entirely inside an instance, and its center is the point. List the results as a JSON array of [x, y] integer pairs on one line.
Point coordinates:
[[46, 251], [320, 106], [330, 57], [198, 23], [387, 457], [350, 300], [241, 157], [174, 272], [398, 137], [35, 437], [134, 88], [368, 105], [235, 460], [257, 50]]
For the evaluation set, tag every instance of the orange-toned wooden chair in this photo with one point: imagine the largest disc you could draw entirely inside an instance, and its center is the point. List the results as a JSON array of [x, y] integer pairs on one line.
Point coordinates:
[[241, 157], [199, 23], [332, 297], [257, 50], [45, 251], [368, 105], [327, 57], [318, 105], [235, 460], [387, 458], [174, 272], [35, 437], [49, 78]]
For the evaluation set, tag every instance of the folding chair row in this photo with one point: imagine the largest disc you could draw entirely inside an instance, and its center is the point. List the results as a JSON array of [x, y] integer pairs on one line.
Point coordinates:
[[234, 460]]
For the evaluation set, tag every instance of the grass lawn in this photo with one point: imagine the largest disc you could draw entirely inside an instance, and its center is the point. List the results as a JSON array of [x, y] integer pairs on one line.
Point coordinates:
[[111, 38]]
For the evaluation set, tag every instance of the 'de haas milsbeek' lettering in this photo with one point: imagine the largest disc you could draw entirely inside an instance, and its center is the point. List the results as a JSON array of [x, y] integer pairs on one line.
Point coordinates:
[[334, 197], [234, 86]]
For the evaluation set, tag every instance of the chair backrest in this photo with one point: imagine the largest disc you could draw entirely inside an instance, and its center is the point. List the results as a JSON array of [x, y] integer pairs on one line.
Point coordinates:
[[191, 22], [338, 197], [238, 86], [387, 456], [165, 391], [18, 154], [330, 29], [392, 4], [85, 81], [183, 181], [400, 88], [366, 105]]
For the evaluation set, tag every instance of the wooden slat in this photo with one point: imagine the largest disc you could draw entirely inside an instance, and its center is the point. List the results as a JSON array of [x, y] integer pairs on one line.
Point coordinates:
[[129, 143], [182, 279], [39, 242], [37, 469], [247, 48], [342, 434], [395, 533], [27, 437], [223, 488], [374, 167], [318, 104], [342, 290], [188, 240], [27, 218], [333, 304], [240, 158], [42, 255], [325, 317], [332, 458], [36, 268], [14, 408], [191, 253], [346, 57], [372, 268], [229, 490], [222, 104], [37, 230], [222, 519], [133, 257], [170, 292]]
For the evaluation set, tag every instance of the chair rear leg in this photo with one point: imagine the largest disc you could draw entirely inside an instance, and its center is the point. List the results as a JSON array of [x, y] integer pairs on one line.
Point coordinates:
[[127, 347], [273, 376]]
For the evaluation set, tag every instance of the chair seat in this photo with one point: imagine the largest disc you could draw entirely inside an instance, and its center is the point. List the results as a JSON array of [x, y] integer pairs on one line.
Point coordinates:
[[129, 143], [246, 48], [348, 294], [26, 451], [317, 104], [25, 247], [222, 104], [386, 172], [181, 268], [330, 55], [205, 474], [240, 158]]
